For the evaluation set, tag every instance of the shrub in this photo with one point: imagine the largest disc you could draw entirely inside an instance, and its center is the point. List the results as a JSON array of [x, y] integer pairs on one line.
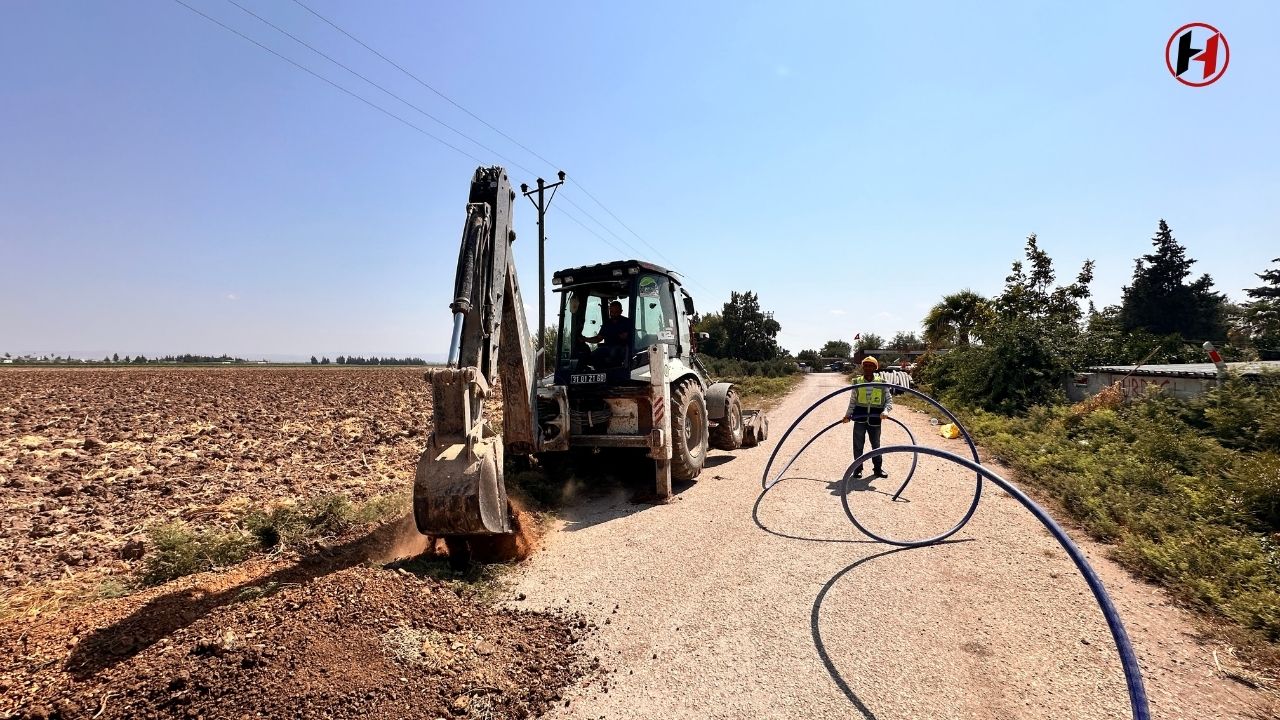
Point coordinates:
[[324, 516], [732, 367], [177, 550], [1191, 499]]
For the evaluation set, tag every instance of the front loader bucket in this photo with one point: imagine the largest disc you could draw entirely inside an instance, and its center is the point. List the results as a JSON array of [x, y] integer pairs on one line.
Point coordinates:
[[458, 490]]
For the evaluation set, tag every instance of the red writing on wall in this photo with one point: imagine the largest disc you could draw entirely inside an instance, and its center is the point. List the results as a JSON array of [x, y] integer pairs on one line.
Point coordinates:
[[1132, 386]]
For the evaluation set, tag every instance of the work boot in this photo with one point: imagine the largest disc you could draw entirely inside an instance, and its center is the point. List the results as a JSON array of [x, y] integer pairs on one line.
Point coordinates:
[[880, 473]]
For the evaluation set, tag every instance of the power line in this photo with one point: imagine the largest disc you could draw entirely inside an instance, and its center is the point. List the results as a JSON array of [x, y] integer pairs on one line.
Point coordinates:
[[604, 227], [458, 132], [425, 84], [431, 117], [365, 78], [602, 238], [318, 76], [384, 110], [615, 217], [324, 55], [489, 125]]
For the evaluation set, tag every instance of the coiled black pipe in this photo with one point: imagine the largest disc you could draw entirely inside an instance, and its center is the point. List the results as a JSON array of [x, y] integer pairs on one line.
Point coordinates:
[[1128, 659], [977, 490], [837, 424]]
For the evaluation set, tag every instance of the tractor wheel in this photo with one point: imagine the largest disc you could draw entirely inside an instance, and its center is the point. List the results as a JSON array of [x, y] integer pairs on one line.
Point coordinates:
[[688, 430], [728, 434]]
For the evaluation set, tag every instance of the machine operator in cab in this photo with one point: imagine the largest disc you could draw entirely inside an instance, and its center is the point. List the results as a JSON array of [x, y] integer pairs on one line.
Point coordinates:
[[865, 407], [613, 338]]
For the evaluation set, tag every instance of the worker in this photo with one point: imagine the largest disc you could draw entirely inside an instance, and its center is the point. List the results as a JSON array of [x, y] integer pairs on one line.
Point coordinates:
[[865, 407], [613, 338]]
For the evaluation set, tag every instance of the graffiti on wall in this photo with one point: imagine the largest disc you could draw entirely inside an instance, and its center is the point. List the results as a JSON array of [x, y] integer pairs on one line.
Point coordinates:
[[1133, 386]]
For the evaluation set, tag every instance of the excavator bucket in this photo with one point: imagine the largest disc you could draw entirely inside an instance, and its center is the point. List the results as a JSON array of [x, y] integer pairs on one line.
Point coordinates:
[[458, 489]]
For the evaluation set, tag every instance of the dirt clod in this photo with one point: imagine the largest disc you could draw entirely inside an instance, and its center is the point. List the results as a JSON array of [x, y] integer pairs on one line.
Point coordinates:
[[193, 648]]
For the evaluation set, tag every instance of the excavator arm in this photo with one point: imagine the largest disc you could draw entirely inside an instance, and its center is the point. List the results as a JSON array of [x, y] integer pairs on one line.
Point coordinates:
[[458, 488]]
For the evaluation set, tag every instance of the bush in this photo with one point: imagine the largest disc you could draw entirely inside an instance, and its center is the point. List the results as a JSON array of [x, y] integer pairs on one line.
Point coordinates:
[[730, 367], [324, 516], [1191, 500], [176, 550]]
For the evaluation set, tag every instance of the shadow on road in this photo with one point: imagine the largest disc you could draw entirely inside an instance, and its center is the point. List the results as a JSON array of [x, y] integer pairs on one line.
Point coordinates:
[[755, 517], [816, 631], [586, 489], [862, 484], [717, 460]]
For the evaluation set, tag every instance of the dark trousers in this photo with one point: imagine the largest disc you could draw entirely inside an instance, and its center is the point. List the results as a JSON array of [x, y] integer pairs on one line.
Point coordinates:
[[861, 429]]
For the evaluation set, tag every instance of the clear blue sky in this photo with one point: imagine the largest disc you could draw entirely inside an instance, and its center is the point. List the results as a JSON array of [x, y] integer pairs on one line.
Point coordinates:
[[168, 187]]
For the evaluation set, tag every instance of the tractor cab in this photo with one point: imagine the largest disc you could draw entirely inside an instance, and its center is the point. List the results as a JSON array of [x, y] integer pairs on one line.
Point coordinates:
[[610, 314]]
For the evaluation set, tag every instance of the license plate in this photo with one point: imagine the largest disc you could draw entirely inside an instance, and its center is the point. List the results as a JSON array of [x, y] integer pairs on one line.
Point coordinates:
[[587, 378]]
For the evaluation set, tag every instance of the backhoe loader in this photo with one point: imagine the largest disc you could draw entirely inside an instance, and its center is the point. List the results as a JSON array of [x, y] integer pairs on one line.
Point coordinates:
[[643, 388]]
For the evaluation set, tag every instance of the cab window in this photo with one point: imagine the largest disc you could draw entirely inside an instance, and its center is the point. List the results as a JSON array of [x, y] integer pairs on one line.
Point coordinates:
[[655, 312], [583, 317]]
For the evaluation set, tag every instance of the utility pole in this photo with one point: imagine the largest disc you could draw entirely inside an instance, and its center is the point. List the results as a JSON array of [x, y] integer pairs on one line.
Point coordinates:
[[542, 203]]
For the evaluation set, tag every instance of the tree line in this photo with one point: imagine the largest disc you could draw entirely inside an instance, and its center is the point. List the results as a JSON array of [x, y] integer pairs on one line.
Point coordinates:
[[138, 359], [359, 360], [1018, 349]]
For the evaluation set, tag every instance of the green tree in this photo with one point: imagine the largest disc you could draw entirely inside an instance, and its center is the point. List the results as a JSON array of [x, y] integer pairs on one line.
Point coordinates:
[[1269, 291], [748, 332], [324, 361], [953, 321], [1106, 342], [836, 348], [314, 361], [904, 341], [115, 357], [1160, 301], [1259, 320], [550, 335], [870, 341], [717, 343], [812, 358], [1030, 345]]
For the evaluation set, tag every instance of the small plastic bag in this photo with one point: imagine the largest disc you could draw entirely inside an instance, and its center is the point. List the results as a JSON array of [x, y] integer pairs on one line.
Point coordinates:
[[949, 431]]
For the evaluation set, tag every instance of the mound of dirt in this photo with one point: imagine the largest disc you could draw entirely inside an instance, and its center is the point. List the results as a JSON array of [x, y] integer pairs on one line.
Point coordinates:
[[357, 642]]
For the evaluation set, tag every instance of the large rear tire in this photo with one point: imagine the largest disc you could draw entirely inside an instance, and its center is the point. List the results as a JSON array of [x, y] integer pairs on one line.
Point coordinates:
[[688, 430], [727, 435]]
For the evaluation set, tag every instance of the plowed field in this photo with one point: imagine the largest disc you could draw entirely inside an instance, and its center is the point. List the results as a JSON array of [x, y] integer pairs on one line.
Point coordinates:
[[90, 459]]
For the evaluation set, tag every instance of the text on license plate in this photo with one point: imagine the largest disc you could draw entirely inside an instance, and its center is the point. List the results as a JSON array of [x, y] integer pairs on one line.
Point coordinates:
[[587, 378]]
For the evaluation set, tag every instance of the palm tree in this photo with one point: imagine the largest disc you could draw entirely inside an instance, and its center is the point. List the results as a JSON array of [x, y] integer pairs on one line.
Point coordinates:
[[955, 319]]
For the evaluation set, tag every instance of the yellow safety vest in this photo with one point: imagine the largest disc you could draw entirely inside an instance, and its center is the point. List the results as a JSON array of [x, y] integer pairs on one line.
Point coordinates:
[[869, 396]]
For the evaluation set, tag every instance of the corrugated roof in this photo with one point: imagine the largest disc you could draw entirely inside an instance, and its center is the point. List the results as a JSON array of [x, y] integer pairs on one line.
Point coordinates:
[[1191, 370]]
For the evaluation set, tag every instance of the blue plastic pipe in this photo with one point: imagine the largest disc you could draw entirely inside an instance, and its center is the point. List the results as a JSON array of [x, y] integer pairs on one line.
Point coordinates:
[[977, 490], [1128, 659]]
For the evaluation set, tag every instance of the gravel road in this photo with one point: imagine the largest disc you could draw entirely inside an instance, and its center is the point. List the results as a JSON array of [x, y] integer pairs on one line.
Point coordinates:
[[727, 604]]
